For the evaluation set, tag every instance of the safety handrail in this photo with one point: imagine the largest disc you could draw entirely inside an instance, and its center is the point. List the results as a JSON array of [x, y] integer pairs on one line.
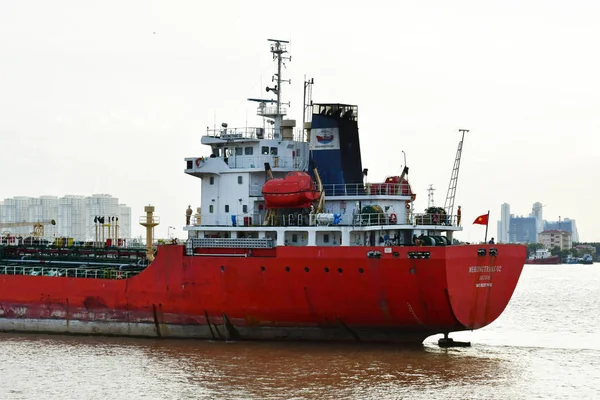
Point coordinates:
[[67, 272]]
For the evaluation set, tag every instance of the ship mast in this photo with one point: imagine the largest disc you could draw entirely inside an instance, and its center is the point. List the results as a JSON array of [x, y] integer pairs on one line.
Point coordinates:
[[306, 111], [278, 48], [275, 114]]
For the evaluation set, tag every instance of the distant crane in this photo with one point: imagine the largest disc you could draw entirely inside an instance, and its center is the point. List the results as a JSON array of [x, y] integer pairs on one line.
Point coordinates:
[[38, 227], [449, 203], [537, 207]]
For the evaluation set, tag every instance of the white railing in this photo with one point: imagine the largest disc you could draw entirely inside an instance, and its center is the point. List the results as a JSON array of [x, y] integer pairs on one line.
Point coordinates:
[[333, 190], [245, 162], [373, 189], [68, 272], [236, 133], [252, 133], [364, 219], [230, 220], [289, 163], [154, 220], [266, 111], [257, 161]]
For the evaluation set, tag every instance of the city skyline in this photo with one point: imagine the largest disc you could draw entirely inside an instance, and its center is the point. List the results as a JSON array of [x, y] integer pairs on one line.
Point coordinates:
[[519, 228], [73, 215]]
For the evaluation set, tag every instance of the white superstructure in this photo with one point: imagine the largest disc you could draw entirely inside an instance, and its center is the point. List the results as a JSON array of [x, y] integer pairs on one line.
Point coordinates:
[[242, 160]]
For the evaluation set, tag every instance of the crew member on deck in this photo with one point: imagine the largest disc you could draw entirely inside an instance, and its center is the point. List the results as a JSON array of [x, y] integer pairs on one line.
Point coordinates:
[[458, 212], [188, 215]]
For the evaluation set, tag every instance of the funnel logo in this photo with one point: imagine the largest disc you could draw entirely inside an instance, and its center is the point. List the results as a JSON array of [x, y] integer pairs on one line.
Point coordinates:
[[325, 136], [325, 139]]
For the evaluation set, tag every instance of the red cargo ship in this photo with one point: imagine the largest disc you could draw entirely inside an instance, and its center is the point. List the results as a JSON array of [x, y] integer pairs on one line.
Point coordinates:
[[339, 260]]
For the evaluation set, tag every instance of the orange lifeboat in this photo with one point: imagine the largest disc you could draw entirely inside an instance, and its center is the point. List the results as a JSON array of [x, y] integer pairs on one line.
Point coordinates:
[[296, 190]]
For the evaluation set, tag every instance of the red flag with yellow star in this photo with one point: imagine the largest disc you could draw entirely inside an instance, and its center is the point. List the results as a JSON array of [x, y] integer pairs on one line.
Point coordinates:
[[481, 220]]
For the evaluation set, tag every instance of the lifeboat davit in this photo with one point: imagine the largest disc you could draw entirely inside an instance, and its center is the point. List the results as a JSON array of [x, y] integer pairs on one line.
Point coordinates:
[[296, 190]]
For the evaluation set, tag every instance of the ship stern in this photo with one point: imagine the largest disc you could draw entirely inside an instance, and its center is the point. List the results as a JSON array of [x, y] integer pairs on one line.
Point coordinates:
[[481, 280]]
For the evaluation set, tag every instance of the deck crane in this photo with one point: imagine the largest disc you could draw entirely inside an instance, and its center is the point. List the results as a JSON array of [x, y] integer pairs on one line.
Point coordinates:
[[449, 203], [38, 227]]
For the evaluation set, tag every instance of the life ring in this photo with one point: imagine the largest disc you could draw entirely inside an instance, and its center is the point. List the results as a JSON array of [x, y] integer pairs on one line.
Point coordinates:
[[199, 160], [393, 218], [408, 206]]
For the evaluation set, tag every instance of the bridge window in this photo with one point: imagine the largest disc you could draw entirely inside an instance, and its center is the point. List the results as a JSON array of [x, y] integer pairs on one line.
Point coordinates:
[[248, 151], [273, 151], [245, 208], [212, 180], [326, 238], [265, 150], [240, 179], [211, 209], [295, 238], [239, 151], [226, 208]]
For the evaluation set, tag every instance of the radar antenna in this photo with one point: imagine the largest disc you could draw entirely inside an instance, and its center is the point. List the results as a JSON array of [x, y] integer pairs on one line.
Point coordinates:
[[449, 204]]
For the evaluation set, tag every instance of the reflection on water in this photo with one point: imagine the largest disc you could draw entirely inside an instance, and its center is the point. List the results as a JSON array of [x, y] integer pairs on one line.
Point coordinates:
[[540, 348], [189, 369]]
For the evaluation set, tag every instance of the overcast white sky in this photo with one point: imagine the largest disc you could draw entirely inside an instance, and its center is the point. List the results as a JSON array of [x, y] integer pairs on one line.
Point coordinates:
[[109, 97]]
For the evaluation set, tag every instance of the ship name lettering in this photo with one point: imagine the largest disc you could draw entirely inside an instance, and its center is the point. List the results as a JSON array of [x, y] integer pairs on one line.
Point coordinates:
[[485, 268]]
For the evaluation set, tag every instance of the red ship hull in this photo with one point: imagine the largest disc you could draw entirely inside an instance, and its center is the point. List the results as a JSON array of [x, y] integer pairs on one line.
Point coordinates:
[[308, 293], [546, 260]]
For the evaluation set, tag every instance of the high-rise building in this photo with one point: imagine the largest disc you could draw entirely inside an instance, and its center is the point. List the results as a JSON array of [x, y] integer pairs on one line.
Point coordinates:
[[74, 215], [503, 234], [523, 230], [536, 212], [124, 221], [101, 205], [499, 228], [22, 213], [574, 233], [71, 219], [7, 213]]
